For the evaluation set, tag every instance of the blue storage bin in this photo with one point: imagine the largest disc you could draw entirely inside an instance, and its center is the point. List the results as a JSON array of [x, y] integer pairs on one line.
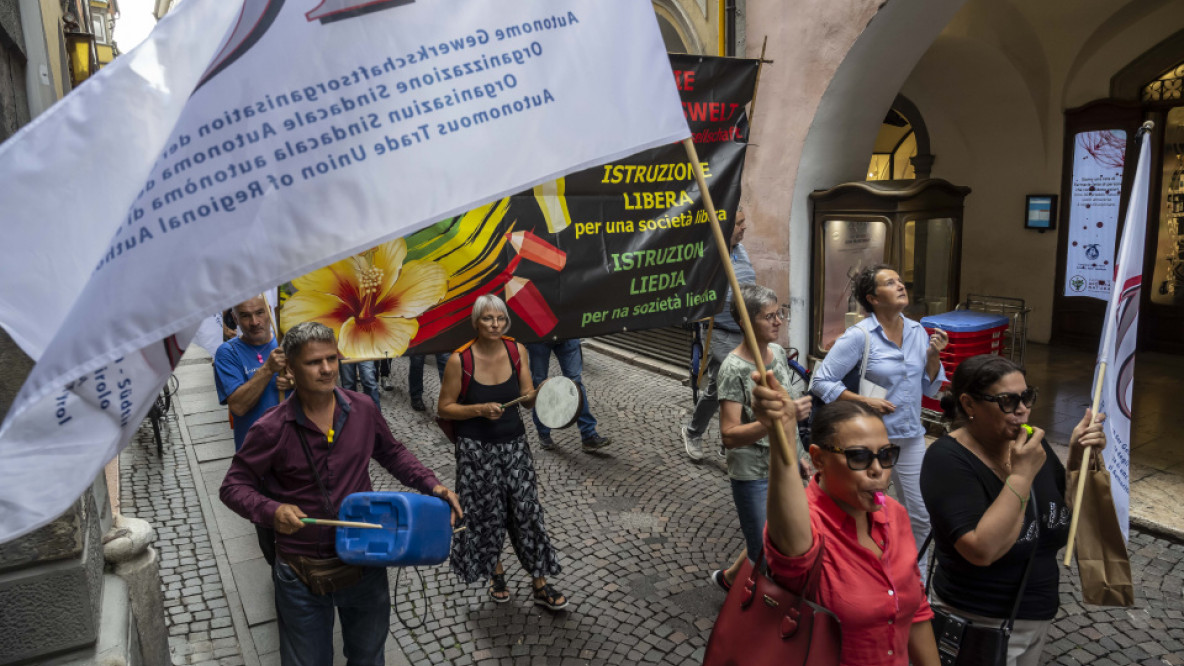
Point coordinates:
[[965, 321], [416, 531]]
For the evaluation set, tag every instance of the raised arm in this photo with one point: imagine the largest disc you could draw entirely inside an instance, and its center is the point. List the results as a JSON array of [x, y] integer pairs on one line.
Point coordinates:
[[1000, 526], [241, 395], [934, 373], [788, 509], [1087, 433]]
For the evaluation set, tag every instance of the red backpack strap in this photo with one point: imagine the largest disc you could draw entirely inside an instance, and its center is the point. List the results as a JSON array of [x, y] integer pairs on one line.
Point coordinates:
[[512, 350], [466, 367]]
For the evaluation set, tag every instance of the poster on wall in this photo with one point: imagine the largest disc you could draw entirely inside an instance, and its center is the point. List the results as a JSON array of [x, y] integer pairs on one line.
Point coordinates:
[[1094, 196], [621, 246], [848, 247]]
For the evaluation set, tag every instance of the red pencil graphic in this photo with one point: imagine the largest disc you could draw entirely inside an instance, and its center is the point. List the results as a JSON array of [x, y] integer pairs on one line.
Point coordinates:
[[526, 302], [532, 248]]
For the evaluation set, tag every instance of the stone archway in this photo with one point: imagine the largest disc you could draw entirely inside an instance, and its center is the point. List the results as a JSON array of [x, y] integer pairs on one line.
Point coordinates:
[[842, 123], [677, 26]]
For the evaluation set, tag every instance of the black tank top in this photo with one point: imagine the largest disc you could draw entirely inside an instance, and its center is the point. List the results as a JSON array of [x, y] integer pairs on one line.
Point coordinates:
[[480, 428]]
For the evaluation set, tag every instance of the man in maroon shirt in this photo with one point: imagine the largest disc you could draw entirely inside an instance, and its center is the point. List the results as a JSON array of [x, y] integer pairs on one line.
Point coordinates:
[[270, 482]]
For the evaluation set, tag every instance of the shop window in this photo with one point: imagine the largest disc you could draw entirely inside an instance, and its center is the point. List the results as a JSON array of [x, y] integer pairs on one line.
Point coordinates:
[[896, 145], [926, 265], [1166, 88], [1167, 286], [847, 247]]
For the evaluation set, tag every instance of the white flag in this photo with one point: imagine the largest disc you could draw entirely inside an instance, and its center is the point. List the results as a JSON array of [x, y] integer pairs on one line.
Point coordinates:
[[1121, 331], [201, 171]]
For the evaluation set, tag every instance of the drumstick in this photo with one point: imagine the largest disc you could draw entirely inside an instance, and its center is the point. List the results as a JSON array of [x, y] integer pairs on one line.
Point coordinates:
[[347, 523], [515, 401], [340, 523]]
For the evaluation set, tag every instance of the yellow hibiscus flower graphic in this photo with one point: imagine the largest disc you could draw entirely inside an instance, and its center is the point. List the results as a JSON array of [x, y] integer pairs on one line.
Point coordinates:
[[371, 300]]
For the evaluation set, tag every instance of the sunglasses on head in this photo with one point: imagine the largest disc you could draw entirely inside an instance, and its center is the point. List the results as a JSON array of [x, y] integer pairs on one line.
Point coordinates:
[[1009, 402], [859, 459]]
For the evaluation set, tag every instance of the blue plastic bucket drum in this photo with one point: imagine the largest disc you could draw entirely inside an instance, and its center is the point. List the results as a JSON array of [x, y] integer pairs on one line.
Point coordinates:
[[416, 530]]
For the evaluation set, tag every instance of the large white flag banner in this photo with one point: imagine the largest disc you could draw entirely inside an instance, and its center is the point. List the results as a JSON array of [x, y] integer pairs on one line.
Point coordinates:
[[247, 143], [1118, 341]]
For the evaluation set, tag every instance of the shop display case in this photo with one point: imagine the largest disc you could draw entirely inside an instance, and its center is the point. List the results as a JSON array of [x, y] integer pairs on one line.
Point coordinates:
[[914, 226], [1167, 280]]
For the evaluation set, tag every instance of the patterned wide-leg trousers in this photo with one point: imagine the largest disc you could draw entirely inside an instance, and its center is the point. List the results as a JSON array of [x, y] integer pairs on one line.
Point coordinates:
[[498, 492]]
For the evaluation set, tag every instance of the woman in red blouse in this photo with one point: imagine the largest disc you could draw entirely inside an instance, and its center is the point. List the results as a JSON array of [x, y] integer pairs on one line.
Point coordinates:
[[869, 557]]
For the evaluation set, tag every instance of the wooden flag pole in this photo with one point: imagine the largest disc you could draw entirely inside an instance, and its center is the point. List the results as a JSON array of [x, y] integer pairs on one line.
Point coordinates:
[[725, 255], [364, 359], [756, 86], [274, 329], [1079, 492]]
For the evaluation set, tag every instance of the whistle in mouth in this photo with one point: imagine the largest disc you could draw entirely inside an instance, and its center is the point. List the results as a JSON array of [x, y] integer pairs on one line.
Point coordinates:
[[880, 499]]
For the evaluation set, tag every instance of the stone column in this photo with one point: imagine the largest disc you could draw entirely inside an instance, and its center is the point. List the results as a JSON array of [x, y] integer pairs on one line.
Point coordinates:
[[125, 546], [51, 586]]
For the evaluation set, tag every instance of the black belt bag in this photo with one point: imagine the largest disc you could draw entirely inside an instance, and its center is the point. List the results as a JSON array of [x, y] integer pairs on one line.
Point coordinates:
[[961, 642]]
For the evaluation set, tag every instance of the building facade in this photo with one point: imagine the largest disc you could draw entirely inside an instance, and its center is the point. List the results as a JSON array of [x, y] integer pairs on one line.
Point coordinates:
[[1000, 91]]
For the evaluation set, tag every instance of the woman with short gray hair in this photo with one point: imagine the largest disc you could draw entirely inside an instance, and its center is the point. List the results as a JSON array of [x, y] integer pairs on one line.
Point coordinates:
[[495, 475], [745, 440]]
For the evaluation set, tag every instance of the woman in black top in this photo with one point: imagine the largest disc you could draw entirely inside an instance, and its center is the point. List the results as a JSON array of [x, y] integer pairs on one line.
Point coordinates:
[[977, 482], [495, 475]]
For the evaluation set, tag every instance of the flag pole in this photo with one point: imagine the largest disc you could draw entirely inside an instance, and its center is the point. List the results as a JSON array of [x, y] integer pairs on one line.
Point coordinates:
[[756, 86], [725, 255], [1079, 492], [274, 329], [1100, 375]]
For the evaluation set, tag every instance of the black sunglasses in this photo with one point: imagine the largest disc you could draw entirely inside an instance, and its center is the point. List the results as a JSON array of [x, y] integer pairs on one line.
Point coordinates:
[[1009, 402], [859, 459]]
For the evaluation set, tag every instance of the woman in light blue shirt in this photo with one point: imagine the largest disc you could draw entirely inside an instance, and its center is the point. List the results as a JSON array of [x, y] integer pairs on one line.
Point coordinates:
[[902, 359]]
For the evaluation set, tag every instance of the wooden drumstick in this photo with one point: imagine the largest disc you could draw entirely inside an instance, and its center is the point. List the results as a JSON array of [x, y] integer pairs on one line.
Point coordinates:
[[340, 523], [515, 401]]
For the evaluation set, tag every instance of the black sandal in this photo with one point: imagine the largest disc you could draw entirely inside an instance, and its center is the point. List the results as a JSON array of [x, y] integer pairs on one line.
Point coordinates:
[[498, 586], [548, 597]]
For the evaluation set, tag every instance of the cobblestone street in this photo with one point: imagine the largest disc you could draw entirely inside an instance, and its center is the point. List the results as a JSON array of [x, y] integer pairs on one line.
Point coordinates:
[[637, 527]]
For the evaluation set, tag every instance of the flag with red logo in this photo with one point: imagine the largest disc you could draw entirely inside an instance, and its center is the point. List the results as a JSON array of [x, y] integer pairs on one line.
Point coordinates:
[[1117, 350]]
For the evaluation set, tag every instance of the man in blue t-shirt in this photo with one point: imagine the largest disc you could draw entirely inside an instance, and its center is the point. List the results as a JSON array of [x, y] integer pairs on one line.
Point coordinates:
[[246, 368]]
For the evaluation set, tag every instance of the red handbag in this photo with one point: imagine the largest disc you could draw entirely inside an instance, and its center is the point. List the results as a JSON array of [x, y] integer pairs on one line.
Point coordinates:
[[764, 623]]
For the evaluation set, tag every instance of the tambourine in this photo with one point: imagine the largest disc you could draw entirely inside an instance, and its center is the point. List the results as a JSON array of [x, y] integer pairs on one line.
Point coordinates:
[[557, 404]]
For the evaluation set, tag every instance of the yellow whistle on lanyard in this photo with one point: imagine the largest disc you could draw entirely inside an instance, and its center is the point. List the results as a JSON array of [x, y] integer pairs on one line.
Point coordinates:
[[330, 435]]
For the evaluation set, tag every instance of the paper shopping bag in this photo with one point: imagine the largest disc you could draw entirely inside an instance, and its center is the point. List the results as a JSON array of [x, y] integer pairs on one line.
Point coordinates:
[[1102, 559]]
